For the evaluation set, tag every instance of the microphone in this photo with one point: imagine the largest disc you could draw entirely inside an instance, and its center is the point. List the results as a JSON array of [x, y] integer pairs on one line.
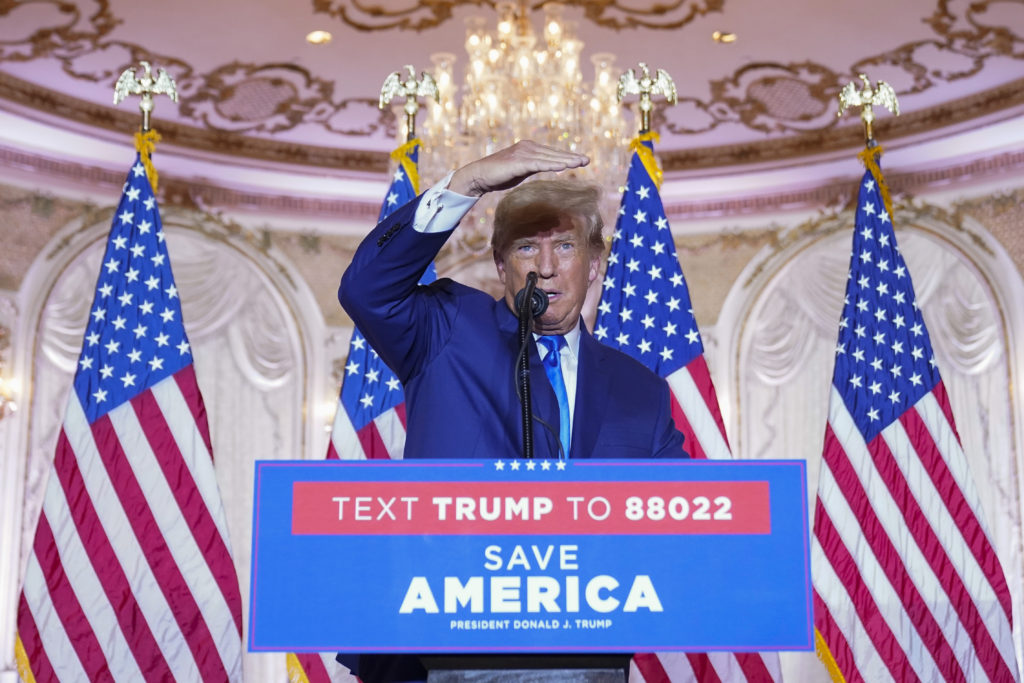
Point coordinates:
[[538, 299]]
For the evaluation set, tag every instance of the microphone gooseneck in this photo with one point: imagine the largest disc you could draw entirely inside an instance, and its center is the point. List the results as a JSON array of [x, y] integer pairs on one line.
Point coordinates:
[[527, 307]]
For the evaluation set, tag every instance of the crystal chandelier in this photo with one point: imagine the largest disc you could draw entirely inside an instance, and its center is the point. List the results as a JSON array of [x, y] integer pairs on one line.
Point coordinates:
[[518, 87]]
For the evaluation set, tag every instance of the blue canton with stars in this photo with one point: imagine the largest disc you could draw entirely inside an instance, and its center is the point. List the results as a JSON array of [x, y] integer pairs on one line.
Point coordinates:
[[645, 307], [135, 336], [369, 387], [884, 359]]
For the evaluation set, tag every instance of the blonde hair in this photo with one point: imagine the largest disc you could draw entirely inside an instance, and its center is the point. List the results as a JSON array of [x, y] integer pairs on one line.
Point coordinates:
[[541, 204]]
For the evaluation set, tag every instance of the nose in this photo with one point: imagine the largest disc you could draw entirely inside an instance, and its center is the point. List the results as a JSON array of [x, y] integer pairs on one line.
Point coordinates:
[[547, 264]]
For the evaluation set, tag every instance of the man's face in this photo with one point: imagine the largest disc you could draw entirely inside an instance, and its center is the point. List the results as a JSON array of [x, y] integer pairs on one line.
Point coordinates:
[[565, 267]]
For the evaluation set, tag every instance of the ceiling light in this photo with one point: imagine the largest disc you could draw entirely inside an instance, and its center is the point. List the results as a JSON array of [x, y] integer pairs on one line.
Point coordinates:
[[318, 37], [720, 37]]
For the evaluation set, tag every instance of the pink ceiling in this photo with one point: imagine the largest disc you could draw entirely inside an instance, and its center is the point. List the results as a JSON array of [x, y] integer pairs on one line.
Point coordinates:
[[251, 86]]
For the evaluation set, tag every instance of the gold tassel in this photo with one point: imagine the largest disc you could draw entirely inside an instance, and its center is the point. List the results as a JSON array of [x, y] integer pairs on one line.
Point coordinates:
[[825, 655], [401, 155], [647, 155], [296, 674], [870, 157], [24, 668], [145, 143]]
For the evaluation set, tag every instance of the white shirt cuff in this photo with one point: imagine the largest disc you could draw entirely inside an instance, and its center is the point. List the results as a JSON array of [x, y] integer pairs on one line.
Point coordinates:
[[440, 210]]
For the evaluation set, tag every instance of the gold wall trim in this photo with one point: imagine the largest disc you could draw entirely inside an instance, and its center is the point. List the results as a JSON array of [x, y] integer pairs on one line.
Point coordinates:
[[1002, 98], [839, 193], [174, 192], [211, 197]]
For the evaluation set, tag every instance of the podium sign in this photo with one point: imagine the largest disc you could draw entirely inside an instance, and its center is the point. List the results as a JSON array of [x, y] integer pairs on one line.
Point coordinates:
[[530, 556]]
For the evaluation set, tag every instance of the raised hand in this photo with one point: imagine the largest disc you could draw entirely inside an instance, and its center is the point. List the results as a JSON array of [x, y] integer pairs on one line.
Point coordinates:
[[510, 166]]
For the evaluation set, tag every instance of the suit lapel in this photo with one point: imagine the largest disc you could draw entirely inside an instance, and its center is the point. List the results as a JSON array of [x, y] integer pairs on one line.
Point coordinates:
[[591, 392]]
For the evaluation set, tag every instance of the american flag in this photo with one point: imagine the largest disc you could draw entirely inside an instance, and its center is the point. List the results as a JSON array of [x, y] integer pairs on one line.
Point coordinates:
[[907, 585], [645, 311], [130, 576], [370, 422]]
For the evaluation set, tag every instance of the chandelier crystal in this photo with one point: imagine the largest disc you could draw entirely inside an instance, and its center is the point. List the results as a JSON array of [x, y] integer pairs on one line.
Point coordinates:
[[518, 86]]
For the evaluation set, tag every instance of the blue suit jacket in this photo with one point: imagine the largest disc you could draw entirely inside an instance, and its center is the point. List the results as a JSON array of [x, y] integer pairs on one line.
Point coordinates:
[[454, 349]]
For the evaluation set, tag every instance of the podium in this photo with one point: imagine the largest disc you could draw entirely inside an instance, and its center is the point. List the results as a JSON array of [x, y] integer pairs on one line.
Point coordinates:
[[485, 567]]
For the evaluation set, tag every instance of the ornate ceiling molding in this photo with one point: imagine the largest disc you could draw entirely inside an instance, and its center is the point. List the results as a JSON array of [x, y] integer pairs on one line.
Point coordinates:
[[811, 143], [419, 15], [262, 100], [984, 104], [189, 137]]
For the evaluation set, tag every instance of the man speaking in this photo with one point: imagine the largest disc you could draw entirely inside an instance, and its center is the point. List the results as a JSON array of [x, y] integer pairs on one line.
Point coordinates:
[[454, 347]]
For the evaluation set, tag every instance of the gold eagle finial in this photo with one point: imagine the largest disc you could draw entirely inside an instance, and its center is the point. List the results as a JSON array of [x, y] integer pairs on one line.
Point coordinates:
[[867, 98], [645, 86], [129, 83], [395, 85]]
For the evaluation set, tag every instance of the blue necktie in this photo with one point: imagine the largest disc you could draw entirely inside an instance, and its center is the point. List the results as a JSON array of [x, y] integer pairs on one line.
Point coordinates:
[[554, 371]]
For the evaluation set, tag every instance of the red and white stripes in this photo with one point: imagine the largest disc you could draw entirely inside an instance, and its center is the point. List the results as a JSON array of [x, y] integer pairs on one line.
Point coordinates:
[[381, 438], [131, 576], [906, 578]]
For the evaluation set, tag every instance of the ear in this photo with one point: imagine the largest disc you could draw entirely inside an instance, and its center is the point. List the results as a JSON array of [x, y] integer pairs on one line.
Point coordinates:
[[595, 268], [499, 264]]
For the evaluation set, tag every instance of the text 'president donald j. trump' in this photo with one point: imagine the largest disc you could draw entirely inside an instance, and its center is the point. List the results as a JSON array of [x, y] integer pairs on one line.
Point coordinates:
[[454, 347]]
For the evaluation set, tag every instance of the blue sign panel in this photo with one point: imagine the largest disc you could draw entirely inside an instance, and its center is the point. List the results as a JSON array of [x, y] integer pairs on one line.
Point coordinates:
[[530, 556]]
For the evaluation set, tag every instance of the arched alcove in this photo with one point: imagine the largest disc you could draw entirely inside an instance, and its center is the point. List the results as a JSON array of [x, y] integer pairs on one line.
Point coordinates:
[[778, 330], [257, 338]]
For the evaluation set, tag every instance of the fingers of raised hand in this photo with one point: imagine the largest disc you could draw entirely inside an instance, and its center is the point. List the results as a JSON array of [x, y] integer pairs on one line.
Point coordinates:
[[510, 166]]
